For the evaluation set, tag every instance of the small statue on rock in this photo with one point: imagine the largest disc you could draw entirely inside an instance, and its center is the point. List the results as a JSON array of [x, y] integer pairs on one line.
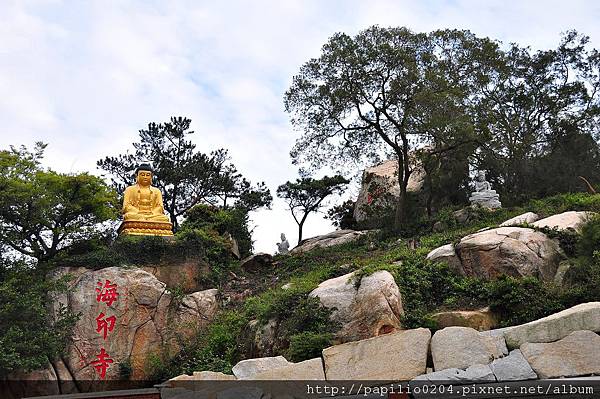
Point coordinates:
[[283, 247], [484, 196]]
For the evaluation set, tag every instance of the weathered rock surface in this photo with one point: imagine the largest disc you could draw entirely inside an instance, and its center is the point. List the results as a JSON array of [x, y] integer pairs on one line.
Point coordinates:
[[328, 240], [307, 370], [567, 220], [477, 373], [527, 217], [578, 354], [181, 275], [372, 309], [514, 251], [399, 356], [180, 380], [446, 253], [513, 367], [480, 320], [380, 186], [256, 262], [264, 337], [462, 347], [585, 316], [249, 368], [147, 319]]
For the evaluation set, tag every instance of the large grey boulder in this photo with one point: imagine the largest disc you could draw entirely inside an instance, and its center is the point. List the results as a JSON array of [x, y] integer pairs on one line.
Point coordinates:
[[328, 240], [249, 368], [513, 367], [400, 356], [527, 217], [371, 309], [149, 320], [577, 354], [514, 251], [256, 262], [567, 220], [585, 316], [462, 347]]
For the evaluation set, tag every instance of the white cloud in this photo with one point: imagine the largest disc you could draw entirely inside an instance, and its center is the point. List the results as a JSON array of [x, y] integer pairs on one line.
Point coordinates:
[[86, 76]]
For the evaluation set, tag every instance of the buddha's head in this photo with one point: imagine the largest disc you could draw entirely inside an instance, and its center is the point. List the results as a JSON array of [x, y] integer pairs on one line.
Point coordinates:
[[283, 237], [481, 176], [144, 175]]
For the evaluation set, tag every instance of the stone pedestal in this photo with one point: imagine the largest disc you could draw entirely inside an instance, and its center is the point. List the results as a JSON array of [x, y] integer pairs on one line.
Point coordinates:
[[486, 199], [145, 228]]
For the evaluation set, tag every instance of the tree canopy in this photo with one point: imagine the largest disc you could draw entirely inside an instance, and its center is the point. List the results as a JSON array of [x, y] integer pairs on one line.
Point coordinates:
[[185, 176], [43, 212], [306, 195], [386, 92]]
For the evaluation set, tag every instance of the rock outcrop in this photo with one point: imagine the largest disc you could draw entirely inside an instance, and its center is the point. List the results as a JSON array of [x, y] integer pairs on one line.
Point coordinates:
[[371, 309], [256, 262], [564, 221], [478, 373], [148, 320], [307, 370], [577, 354], [514, 251], [328, 240], [585, 316], [399, 356], [380, 187], [462, 347], [480, 320]]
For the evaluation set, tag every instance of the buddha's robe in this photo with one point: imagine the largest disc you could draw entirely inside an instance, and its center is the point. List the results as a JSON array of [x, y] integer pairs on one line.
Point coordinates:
[[143, 203]]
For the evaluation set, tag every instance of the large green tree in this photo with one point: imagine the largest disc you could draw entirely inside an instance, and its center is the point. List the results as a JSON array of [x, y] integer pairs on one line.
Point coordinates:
[[185, 176], [387, 92], [306, 195], [43, 212], [529, 101]]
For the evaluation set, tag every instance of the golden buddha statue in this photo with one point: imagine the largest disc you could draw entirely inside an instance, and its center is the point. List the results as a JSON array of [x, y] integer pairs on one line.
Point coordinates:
[[143, 212]]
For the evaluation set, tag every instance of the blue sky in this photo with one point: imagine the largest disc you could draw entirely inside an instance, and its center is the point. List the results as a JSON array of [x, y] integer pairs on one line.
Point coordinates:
[[85, 76]]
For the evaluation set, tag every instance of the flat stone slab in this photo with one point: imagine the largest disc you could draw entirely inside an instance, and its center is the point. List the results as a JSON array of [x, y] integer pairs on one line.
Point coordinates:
[[513, 367], [462, 347], [585, 316], [477, 373], [576, 355], [307, 370], [400, 356]]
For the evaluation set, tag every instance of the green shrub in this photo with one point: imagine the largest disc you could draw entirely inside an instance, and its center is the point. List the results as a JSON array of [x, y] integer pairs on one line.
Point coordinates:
[[565, 202], [308, 345], [589, 242], [520, 300]]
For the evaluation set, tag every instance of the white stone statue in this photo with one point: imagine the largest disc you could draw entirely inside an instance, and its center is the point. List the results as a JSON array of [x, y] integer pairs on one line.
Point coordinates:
[[484, 196], [284, 246]]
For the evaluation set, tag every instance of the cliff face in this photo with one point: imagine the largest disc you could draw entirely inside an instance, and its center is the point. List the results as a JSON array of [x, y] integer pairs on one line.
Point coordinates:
[[127, 318]]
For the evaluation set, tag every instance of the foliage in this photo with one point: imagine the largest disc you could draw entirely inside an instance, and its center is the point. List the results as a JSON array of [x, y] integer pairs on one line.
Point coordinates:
[[534, 109], [306, 195], [589, 241], [222, 220], [386, 91], [308, 345], [565, 202], [185, 176], [342, 215], [43, 212], [29, 333]]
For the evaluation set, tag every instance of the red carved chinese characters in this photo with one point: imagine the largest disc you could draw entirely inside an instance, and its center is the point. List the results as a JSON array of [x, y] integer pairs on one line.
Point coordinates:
[[105, 325], [108, 294], [102, 363]]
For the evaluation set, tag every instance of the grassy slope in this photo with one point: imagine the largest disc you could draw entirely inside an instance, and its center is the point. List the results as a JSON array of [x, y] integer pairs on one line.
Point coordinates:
[[426, 287]]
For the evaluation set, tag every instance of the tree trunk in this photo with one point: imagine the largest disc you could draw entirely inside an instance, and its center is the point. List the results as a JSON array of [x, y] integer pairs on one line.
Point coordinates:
[[400, 214], [300, 225]]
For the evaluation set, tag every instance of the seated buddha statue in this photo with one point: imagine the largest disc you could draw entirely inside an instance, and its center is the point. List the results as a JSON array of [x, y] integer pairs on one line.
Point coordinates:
[[143, 210]]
